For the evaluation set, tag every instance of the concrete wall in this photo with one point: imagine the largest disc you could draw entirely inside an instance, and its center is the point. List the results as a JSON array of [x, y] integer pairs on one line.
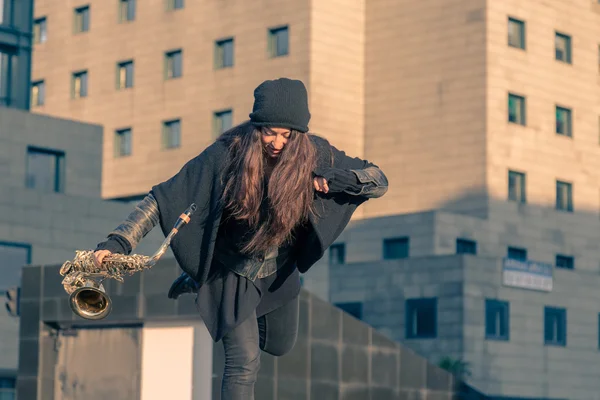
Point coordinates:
[[335, 357]]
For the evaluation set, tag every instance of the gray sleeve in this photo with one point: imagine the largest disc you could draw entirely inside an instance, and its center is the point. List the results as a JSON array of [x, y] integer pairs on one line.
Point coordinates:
[[139, 222]]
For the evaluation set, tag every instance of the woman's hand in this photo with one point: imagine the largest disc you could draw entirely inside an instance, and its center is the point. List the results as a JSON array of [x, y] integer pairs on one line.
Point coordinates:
[[99, 256], [320, 184]]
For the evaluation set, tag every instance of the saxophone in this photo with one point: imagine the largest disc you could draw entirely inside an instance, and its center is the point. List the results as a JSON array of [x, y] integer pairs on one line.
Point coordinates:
[[83, 280]]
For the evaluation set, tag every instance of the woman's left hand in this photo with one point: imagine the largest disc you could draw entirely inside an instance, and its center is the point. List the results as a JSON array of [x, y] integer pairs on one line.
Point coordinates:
[[320, 184]]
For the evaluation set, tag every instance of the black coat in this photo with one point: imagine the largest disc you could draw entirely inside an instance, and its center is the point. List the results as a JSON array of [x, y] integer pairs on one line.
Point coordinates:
[[200, 182]]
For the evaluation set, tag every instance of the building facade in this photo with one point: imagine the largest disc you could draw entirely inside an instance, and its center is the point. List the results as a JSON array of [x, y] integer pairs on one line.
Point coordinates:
[[518, 300], [50, 206], [16, 43]]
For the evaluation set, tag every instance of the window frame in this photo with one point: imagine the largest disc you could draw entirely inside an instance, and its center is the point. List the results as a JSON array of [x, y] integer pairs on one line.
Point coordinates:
[[40, 36], [568, 113], [217, 116], [521, 25], [272, 41], [568, 47], [561, 315], [387, 242], [79, 15], [341, 249], [40, 83], [522, 101], [219, 56], [520, 196], [59, 172], [126, 11], [570, 260], [569, 186], [466, 243], [122, 65], [167, 131], [412, 305], [502, 307], [515, 249], [170, 64], [118, 145], [75, 94]]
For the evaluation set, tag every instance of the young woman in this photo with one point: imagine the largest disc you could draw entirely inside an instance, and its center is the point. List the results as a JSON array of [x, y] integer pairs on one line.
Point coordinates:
[[271, 199]]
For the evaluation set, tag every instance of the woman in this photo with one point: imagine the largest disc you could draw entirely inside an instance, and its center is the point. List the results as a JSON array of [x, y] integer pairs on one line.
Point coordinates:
[[271, 199]]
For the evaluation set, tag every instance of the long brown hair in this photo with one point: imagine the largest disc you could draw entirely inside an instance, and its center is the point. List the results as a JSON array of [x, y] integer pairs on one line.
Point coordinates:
[[289, 184]]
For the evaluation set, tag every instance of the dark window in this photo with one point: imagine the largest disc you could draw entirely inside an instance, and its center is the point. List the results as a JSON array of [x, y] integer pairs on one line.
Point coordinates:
[[564, 196], [79, 85], [171, 134], [516, 253], [421, 318], [278, 42], [563, 47], [40, 34], [555, 326], [516, 187], [13, 256], [224, 53], [125, 74], [123, 142], [6, 62], [395, 248], [82, 19], [516, 109], [465, 246], [337, 254], [497, 316], [516, 33], [354, 309], [173, 64], [45, 169], [8, 386], [564, 124], [126, 10], [567, 262], [174, 5], [222, 121], [38, 93]]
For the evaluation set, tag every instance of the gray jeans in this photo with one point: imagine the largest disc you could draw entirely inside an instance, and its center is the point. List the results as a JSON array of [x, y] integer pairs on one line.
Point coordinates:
[[274, 333]]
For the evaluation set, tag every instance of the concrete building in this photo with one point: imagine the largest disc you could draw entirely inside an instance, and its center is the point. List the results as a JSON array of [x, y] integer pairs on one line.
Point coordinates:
[[16, 44], [50, 206], [517, 300]]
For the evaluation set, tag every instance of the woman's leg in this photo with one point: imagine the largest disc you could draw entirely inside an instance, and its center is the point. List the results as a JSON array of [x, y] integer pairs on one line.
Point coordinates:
[[278, 329], [242, 361]]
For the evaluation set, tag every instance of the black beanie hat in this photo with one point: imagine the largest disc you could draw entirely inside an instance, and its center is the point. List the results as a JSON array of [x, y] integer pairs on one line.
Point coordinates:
[[281, 103]]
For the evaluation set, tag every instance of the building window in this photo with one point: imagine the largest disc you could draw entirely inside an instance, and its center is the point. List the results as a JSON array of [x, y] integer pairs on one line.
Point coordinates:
[[396, 248], [125, 75], [555, 326], [45, 170], [2, 6], [497, 320], [123, 142], [39, 30], [355, 309], [278, 42], [13, 256], [171, 134], [564, 196], [337, 254], [222, 122], [563, 47], [566, 262], [224, 53], [38, 90], [421, 318], [82, 19], [173, 64], [516, 109], [174, 5], [516, 33], [5, 73], [516, 187], [79, 85], [564, 121], [517, 253], [466, 246], [8, 386], [126, 10]]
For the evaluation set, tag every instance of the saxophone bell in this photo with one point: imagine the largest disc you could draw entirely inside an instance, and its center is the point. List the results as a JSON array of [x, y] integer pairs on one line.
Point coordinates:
[[91, 301]]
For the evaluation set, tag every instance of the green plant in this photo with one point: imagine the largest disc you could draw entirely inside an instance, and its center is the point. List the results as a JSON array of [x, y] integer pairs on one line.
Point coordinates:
[[457, 367]]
